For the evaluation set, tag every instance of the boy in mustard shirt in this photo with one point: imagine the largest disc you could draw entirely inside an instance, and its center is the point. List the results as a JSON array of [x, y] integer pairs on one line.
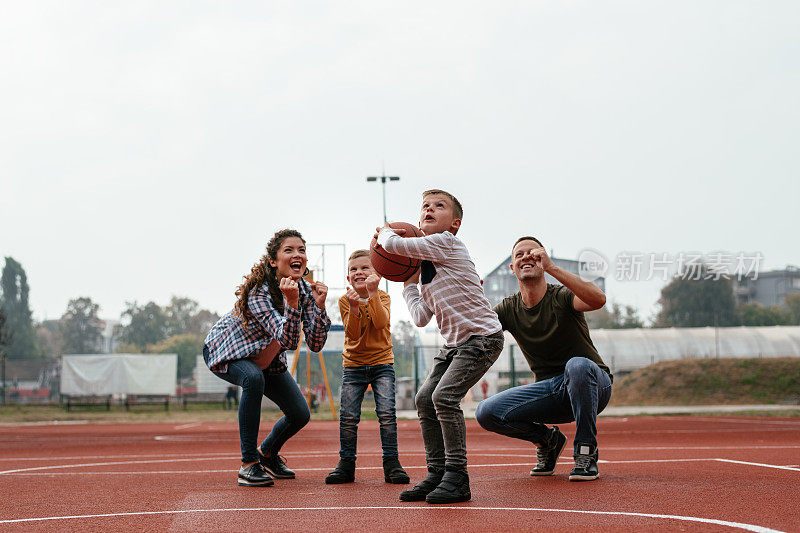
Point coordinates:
[[368, 360]]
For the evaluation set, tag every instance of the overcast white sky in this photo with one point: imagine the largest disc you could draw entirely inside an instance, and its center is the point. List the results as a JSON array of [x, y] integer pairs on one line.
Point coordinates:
[[151, 148]]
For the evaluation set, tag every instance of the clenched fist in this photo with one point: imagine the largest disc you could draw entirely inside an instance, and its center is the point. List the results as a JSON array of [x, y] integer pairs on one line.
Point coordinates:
[[291, 291], [372, 281], [320, 292]]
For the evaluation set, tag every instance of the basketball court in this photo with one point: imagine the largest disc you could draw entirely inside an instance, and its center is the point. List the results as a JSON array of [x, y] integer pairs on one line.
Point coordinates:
[[666, 473]]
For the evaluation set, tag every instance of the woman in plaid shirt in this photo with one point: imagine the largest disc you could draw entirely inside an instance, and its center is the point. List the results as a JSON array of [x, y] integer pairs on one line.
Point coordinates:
[[247, 347]]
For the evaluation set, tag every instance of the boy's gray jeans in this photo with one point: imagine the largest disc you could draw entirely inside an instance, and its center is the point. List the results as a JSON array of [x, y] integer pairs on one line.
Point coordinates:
[[454, 372]]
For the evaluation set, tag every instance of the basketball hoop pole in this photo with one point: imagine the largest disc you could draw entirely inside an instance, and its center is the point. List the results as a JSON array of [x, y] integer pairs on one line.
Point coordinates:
[[383, 177]]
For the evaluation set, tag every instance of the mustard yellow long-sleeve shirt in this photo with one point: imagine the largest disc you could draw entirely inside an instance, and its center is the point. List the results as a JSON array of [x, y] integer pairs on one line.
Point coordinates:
[[367, 337]]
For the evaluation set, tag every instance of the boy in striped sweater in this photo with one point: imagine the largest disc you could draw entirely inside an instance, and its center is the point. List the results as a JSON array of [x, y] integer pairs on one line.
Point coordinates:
[[447, 286]]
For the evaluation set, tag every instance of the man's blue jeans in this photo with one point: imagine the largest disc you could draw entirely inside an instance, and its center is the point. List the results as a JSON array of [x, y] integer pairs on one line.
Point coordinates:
[[579, 394], [281, 389], [354, 385]]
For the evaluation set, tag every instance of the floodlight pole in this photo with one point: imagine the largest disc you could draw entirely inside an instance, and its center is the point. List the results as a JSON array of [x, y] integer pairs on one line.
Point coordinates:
[[384, 178]]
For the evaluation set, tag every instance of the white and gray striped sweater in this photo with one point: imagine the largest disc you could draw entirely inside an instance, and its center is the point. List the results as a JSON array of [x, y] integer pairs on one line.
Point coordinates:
[[455, 294]]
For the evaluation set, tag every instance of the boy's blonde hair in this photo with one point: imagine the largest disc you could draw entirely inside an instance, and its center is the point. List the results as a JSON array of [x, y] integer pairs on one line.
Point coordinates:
[[357, 254], [458, 211]]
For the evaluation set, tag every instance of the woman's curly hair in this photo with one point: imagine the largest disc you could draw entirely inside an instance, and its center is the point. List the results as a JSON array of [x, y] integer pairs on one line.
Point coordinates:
[[261, 272]]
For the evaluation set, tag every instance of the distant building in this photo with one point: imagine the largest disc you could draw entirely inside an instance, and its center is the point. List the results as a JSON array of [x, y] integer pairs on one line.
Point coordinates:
[[767, 288], [501, 282]]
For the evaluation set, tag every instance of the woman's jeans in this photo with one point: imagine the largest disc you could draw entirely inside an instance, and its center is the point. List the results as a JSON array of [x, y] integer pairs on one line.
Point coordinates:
[[354, 383], [579, 394], [281, 389]]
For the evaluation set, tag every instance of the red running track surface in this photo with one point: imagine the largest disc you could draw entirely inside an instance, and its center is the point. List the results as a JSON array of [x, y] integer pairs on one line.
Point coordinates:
[[657, 473]]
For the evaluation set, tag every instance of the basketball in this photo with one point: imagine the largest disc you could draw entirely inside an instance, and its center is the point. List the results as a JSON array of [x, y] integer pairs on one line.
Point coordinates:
[[390, 266]]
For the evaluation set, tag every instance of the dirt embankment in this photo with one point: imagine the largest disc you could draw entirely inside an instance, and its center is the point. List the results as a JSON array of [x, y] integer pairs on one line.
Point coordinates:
[[711, 381]]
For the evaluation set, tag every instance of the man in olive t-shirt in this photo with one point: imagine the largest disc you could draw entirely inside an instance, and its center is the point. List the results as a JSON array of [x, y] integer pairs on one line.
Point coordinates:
[[572, 382]]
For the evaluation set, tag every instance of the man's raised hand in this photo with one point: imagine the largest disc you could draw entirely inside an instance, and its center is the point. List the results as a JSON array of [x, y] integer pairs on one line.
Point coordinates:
[[541, 259]]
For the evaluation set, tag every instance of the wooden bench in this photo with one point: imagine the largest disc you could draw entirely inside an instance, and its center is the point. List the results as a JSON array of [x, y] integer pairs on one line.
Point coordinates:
[[72, 401], [146, 399], [203, 397]]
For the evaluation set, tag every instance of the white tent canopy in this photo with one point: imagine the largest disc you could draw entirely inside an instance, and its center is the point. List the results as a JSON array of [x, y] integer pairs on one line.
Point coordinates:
[[628, 349], [105, 374], [624, 350]]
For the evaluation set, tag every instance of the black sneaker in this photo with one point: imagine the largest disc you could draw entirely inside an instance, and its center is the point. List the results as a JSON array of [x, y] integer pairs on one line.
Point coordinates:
[[254, 476], [423, 488], [393, 472], [547, 453], [345, 472], [453, 488], [585, 464], [275, 466]]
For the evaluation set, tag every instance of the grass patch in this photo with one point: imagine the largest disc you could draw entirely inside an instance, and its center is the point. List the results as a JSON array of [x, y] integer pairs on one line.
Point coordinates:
[[712, 382]]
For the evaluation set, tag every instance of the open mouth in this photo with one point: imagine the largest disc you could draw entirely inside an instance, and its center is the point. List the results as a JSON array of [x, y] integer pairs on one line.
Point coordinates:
[[296, 266], [527, 266], [429, 218]]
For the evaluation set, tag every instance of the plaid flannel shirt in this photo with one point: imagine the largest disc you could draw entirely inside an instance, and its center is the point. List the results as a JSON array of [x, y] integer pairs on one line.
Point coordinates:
[[228, 339]]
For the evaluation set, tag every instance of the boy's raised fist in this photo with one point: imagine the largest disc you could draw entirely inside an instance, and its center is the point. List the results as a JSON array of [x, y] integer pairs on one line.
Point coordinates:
[[372, 281]]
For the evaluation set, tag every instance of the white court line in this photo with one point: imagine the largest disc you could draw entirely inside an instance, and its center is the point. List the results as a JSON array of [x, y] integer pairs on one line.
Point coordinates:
[[765, 447], [84, 457], [759, 464], [210, 438], [476, 452], [45, 423], [754, 421], [38, 470], [49, 467], [704, 431], [187, 426], [448, 509]]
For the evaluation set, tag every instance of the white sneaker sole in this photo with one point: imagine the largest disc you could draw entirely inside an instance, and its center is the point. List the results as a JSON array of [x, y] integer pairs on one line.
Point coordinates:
[[583, 478], [246, 483]]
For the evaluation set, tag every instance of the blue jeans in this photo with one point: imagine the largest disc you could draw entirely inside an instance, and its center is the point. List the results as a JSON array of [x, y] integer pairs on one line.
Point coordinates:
[[281, 389], [354, 384], [582, 391]]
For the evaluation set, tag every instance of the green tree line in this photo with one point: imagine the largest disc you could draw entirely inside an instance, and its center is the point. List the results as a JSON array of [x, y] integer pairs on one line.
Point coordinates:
[[707, 301], [180, 327]]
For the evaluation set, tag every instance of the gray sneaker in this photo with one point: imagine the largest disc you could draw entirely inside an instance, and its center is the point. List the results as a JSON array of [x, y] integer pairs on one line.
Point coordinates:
[[547, 453]]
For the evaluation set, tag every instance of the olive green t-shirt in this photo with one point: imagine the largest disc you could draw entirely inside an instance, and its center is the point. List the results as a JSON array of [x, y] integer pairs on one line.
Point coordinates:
[[550, 333]]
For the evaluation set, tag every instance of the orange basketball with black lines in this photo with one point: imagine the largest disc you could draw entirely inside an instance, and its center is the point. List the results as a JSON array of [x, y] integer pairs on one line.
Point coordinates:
[[391, 266]]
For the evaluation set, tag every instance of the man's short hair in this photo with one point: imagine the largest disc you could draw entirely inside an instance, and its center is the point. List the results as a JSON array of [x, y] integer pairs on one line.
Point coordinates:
[[357, 254], [526, 238], [458, 211]]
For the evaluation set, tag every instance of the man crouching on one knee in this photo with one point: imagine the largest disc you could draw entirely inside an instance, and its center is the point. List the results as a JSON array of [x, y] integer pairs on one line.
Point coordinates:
[[572, 382]]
